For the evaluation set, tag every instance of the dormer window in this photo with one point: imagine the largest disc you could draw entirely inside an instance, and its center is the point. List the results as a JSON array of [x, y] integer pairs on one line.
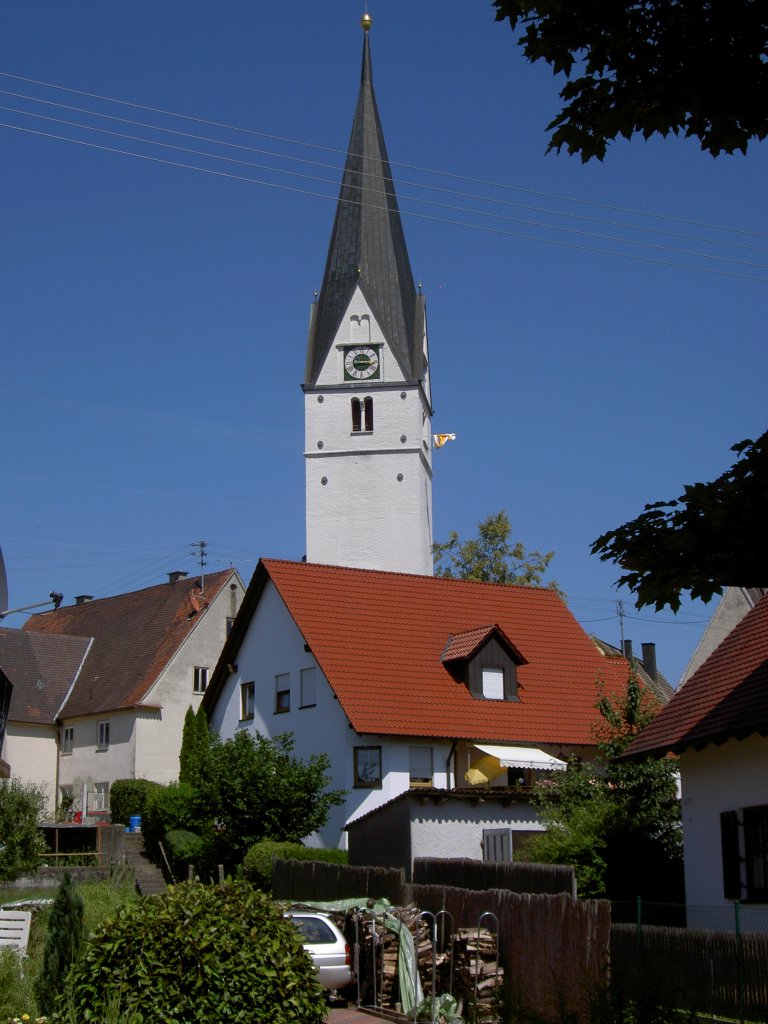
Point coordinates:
[[486, 661]]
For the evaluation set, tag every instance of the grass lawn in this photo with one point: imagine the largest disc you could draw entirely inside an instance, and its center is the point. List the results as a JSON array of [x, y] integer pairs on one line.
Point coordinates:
[[17, 982]]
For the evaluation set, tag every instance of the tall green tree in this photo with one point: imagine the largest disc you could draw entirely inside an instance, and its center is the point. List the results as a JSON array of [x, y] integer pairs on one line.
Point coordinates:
[[195, 747], [492, 556], [617, 822], [710, 537], [22, 807], [648, 67], [63, 942]]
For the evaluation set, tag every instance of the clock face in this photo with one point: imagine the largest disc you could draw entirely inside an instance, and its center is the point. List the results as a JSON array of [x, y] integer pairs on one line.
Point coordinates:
[[361, 363]]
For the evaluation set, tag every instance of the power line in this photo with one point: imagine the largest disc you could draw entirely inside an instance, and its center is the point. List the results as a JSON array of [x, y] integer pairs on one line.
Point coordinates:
[[366, 190], [337, 168], [415, 167], [409, 213]]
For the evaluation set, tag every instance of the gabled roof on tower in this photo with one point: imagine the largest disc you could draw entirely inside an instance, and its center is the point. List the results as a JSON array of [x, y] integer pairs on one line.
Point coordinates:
[[368, 248]]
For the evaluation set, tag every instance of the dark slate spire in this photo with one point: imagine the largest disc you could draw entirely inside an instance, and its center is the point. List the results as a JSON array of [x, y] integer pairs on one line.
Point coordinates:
[[368, 248]]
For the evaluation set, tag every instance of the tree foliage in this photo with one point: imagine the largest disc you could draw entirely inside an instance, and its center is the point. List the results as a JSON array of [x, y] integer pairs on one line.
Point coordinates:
[[650, 66], [492, 557], [617, 822], [197, 953], [62, 943], [22, 807], [245, 789], [710, 537], [195, 747]]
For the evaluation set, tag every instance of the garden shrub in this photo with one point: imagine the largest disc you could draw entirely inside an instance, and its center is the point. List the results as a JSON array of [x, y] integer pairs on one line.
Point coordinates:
[[128, 797], [257, 865], [62, 942], [184, 848], [22, 806], [198, 953]]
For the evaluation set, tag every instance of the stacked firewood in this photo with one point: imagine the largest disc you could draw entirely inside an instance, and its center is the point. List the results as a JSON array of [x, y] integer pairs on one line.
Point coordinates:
[[465, 964]]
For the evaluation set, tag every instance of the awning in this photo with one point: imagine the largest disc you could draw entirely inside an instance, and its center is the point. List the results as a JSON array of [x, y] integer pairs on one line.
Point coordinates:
[[523, 757]]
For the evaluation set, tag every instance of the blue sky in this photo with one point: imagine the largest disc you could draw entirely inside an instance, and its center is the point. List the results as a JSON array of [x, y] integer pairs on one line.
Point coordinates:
[[153, 317]]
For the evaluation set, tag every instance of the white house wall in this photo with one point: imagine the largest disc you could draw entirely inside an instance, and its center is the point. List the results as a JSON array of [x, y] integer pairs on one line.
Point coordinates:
[[274, 646], [86, 764], [30, 750], [717, 779], [439, 831], [158, 737]]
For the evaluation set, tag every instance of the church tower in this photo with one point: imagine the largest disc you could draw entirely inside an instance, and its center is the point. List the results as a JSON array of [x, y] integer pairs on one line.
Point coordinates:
[[367, 398]]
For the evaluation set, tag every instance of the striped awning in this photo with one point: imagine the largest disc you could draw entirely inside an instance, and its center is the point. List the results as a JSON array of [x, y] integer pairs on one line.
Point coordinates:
[[523, 757]]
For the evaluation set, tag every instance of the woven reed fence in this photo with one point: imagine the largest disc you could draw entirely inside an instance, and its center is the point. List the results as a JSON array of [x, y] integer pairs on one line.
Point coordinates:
[[706, 972], [476, 874], [314, 880]]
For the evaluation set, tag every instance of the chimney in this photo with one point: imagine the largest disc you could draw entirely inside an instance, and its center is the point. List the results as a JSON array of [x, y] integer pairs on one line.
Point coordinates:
[[628, 650], [649, 660], [83, 598], [179, 574]]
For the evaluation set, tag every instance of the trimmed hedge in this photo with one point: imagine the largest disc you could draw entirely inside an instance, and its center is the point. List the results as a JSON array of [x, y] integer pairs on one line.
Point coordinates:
[[197, 954], [128, 797], [257, 865]]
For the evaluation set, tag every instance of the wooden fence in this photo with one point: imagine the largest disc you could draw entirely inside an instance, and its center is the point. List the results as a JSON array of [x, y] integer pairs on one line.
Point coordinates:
[[553, 948], [706, 972], [549, 879]]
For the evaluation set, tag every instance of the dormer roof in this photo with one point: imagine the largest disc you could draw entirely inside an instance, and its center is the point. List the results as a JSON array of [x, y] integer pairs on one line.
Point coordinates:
[[463, 646], [367, 248]]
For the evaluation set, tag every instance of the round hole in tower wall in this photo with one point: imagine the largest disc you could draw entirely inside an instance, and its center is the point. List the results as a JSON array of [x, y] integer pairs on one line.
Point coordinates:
[[320, 399], [403, 394], [324, 480], [319, 444], [399, 478], [403, 439]]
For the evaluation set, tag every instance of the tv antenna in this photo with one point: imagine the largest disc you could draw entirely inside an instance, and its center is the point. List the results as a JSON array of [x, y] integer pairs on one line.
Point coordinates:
[[202, 547]]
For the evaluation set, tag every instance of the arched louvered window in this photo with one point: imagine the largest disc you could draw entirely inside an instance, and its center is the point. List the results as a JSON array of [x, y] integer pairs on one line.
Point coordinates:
[[356, 417], [368, 413]]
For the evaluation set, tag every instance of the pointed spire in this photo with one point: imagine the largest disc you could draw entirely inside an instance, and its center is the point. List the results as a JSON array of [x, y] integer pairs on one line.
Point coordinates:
[[367, 245]]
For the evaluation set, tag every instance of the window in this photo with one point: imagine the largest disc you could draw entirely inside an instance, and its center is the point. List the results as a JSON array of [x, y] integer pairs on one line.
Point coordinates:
[[230, 624], [282, 693], [362, 415], [367, 767], [67, 739], [100, 797], [420, 766], [744, 841], [308, 699], [756, 851], [201, 679], [493, 683], [246, 701], [102, 743]]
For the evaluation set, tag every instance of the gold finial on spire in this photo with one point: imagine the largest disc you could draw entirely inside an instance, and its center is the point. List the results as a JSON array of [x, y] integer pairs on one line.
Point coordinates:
[[366, 21]]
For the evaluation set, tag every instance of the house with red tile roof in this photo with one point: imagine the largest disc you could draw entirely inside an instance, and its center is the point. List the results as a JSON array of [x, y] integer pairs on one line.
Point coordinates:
[[101, 687], [409, 681], [717, 724]]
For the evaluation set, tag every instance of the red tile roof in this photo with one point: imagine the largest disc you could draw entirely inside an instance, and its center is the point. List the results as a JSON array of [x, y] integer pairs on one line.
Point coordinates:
[[379, 637], [464, 645], [135, 636], [727, 696], [42, 670]]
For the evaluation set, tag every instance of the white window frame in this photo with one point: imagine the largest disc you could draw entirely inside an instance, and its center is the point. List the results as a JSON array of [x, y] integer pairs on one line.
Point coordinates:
[[67, 739], [200, 678], [493, 682], [102, 737], [247, 701], [100, 797], [308, 692], [282, 693]]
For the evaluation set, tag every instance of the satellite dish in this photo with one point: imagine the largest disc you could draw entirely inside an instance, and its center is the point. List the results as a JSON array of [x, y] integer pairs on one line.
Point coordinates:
[[3, 585]]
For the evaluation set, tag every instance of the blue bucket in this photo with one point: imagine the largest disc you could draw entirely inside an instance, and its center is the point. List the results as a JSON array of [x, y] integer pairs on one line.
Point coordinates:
[[134, 823]]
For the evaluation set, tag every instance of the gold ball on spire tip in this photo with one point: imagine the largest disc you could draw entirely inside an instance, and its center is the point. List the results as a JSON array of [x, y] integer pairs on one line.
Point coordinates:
[[366, 21]]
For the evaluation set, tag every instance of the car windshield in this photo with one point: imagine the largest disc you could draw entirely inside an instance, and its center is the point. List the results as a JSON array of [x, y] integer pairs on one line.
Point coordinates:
[[314, 930]]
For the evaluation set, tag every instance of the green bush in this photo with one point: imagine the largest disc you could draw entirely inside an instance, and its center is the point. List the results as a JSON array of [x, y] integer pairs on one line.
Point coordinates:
[[128, 797], [198, 953], [184, 848], [22, 807], [257, 865], [62, 943], [171, 808]]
